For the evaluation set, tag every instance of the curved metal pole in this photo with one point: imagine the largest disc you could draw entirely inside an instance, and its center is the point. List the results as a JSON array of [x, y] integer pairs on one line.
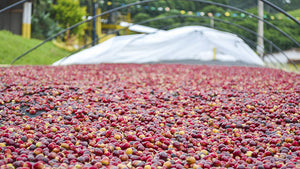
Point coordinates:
[[248, 30], [177, 16], [258, 18], [256, 34], [12, 5], [241, 36], [281, 11], [77, 24], [147, 1], [236, 25]]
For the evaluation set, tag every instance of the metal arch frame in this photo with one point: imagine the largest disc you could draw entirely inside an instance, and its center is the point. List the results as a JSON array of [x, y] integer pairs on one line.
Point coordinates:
[[250, 14], [195, 23], [218, 28], [147, 1], [12, 5], [77, 24], [281, 11], [251, 31], [229, 23], [205, 17], [246, 29]]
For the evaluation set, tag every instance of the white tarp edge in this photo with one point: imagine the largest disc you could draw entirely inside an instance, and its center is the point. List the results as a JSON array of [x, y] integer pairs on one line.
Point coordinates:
[[191, 42], [139, 28]]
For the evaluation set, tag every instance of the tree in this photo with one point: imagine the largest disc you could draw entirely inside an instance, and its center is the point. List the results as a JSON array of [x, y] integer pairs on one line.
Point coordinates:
[[42, 25], [213, 9], [69, 12], [163, 23], [141, 17]]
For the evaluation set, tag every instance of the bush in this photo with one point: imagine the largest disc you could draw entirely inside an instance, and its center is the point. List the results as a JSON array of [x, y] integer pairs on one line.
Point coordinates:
[[42, 25], [68, 13], [141, 17]]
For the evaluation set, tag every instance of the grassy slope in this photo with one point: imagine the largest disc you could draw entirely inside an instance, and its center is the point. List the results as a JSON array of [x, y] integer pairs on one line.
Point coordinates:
[[295, 13], [12, 46]]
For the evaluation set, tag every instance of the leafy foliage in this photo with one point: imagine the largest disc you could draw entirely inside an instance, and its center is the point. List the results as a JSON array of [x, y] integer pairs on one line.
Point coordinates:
[[141, 17], [69, 12], [213, 9], [42, 25]]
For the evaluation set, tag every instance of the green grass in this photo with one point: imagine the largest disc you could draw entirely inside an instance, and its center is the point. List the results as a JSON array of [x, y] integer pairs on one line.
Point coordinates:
[[11, 46], [295, 13]]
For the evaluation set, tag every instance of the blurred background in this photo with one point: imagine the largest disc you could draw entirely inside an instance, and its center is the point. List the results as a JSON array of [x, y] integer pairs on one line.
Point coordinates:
[[30, 22]]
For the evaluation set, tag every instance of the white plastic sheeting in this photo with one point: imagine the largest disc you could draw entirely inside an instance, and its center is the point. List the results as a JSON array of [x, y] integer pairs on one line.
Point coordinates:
[[139, 28], [185, 43], [292, 54]]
